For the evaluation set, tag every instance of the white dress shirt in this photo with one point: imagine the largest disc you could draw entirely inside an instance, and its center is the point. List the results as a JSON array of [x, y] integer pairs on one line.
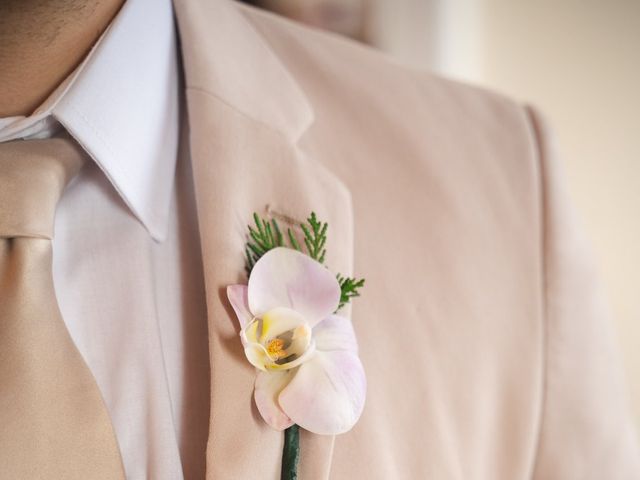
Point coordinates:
[[127, 265]]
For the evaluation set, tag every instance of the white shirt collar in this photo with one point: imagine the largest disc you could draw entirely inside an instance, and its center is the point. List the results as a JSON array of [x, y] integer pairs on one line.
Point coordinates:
[[121, 105]]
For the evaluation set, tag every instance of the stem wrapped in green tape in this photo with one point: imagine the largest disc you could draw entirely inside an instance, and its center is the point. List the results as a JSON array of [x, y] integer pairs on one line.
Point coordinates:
[[291, 453]]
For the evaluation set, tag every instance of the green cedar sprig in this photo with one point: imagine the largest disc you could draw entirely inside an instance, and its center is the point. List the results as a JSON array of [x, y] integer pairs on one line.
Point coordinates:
[[349, 288], [315, 237], [263, 237], [266, 235]]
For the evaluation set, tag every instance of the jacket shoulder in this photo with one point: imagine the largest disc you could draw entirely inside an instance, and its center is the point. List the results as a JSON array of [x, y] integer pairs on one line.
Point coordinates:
[[327, 65]]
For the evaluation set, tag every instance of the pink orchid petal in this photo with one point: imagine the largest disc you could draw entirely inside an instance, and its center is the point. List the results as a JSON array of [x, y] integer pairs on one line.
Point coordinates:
[[284, 277], [237, 295], [326, 395], [267, 388], [335, 333]]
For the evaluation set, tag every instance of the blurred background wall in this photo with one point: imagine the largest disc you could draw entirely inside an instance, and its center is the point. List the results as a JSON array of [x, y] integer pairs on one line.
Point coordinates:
[[578, 61]]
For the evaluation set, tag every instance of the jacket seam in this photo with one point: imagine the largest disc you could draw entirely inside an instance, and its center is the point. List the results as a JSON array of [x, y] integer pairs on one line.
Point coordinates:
[[537, 143], [235, 108]]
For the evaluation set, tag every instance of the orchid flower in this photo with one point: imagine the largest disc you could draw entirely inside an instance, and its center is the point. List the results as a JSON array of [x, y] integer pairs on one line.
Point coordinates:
[[309, 372]]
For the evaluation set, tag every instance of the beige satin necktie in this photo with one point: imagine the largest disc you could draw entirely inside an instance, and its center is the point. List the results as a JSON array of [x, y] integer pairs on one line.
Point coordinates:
[[53, 421]]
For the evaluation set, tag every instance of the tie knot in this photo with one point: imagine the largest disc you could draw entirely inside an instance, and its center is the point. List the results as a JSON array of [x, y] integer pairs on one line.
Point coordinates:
[[33, 175]]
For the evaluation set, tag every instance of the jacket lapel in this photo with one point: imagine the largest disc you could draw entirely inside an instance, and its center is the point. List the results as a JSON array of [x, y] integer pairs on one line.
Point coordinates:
[[246, 114]]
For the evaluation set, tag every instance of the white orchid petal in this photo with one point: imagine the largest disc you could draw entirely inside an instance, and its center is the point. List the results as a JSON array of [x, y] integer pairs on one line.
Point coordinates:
[[257, 355], [279, 320], [249, 334], [267, 388], [335, 333], [238, 298], [326, 395], [284, 277]]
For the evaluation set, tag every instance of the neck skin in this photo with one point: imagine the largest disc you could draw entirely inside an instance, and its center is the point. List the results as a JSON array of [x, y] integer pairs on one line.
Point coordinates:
[[41, 43]]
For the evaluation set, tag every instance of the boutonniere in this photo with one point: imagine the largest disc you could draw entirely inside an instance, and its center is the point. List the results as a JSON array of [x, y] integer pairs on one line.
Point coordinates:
[[309, 374]]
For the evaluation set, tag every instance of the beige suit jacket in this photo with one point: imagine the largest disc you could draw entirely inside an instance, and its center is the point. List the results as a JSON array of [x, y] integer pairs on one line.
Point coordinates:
[[481, 328]]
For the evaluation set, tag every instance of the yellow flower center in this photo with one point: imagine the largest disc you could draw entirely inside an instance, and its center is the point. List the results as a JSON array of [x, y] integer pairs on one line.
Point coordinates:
[[275, 348], [279, 340]]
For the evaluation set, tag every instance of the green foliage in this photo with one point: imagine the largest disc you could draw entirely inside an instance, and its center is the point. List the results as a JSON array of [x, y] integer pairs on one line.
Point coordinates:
[[266, 235], [315, 237], [293, 241], [349, 288]]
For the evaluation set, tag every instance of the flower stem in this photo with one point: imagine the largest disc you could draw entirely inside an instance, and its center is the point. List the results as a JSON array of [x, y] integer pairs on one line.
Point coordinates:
[[291, 453]]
